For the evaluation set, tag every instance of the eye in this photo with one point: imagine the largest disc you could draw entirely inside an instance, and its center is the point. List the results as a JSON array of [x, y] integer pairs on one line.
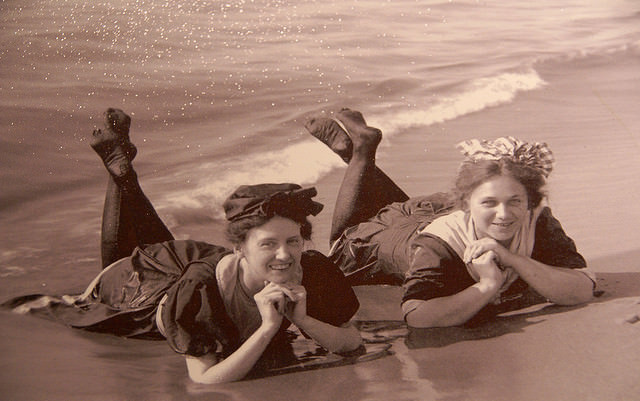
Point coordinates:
[[488, 203], [515, 202], [295, 241], [267, 244]]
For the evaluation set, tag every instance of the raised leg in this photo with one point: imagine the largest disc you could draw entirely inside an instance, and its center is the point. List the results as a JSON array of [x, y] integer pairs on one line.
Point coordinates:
[[365, 188], [129, 219]]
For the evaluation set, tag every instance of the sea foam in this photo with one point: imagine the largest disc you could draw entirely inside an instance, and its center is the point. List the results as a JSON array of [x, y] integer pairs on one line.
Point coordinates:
[[307, 161]]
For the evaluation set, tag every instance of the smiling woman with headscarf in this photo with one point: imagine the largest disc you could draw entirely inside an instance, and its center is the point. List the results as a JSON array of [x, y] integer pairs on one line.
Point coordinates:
[[490, 246], [225, 310]]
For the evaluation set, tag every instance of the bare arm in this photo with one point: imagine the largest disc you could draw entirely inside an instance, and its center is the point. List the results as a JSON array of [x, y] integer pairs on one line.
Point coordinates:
[[209, 370], [453, 310], [560, 285], [332, 338], [456, 309], [271, 302]]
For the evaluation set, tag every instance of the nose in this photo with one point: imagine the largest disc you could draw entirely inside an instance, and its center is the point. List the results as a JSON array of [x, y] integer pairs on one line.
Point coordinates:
[[283, 253], [502, 211]]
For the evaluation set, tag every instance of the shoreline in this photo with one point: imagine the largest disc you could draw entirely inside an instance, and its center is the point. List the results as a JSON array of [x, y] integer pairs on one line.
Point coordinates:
[[586, 352], [589, 121]]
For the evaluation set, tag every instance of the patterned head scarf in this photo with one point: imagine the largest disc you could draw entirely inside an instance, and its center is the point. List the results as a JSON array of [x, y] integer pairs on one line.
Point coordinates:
[[535, 155], [268, 200]]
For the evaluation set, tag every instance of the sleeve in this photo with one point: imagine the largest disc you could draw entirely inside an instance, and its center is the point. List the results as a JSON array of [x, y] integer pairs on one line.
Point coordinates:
[[178, 253], [552, 246], [435, 270], [330, 298], [194, 317]]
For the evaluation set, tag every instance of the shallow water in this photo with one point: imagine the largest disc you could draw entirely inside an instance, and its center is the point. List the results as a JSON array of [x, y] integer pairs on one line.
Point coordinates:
[[219, 92]]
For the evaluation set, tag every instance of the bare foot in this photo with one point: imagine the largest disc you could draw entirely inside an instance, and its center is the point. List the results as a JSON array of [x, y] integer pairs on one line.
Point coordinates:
[[112, 143], [329, 132], [364, 138]]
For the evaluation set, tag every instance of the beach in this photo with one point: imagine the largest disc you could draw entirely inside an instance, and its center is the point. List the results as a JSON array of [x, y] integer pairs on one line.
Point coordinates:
[[586, 352], [219, 95]]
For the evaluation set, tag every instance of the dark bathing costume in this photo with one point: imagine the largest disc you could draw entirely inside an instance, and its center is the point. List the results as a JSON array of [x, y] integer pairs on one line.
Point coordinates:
[[124, 298], [389, 249]]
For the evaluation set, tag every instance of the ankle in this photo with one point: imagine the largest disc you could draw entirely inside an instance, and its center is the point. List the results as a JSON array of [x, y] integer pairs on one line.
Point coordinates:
[[366, 147], [117, 163], [128, 181], [364, 156]]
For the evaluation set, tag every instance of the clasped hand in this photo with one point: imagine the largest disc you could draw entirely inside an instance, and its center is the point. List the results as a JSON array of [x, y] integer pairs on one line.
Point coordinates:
[[276, 301], [489, 261], [481, 246]]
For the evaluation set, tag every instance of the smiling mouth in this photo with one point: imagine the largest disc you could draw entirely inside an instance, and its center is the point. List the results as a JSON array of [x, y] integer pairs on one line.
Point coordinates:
[[280, 266], [503, 225]]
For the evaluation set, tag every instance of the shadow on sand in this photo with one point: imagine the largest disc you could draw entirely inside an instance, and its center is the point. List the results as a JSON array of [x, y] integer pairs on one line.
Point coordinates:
[[610, 286]]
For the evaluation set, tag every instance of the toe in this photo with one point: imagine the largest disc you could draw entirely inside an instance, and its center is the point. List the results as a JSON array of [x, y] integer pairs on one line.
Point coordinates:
[[310, 124], [352, 115], [117, 121]]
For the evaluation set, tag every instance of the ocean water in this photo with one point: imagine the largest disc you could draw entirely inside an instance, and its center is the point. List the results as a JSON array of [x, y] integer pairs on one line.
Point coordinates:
[[219, 92]]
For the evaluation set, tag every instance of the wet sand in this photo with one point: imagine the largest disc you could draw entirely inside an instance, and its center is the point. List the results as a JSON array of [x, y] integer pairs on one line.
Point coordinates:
[[587, 352], [545, 352]]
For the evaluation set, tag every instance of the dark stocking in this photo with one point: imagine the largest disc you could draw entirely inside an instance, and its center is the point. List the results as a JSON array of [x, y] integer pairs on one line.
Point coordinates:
[[128, 220], [365, 189]]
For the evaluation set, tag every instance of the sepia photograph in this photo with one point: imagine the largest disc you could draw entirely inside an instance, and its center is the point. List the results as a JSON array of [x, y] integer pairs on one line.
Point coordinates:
[[354, 200]]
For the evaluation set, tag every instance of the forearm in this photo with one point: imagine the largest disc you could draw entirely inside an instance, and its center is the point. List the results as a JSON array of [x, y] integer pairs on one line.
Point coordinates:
[[559, 285], [235, 366], [452, 310], [332, 338]]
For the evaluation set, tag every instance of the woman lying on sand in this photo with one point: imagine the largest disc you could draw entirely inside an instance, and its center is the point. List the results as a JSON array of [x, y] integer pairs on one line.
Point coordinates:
[[490, 246], [225, 310]]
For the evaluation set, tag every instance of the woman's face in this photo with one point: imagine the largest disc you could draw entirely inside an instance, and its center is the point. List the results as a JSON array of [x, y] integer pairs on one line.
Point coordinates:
[[273, 251], [498, 208]]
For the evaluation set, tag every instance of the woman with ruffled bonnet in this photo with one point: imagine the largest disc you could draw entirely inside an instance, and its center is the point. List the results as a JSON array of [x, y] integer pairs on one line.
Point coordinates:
[[489, 246], [225, 310]]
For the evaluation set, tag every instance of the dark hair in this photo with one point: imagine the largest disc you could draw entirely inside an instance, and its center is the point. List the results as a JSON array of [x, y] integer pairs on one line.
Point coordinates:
[[472, 174], [236, 231]]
